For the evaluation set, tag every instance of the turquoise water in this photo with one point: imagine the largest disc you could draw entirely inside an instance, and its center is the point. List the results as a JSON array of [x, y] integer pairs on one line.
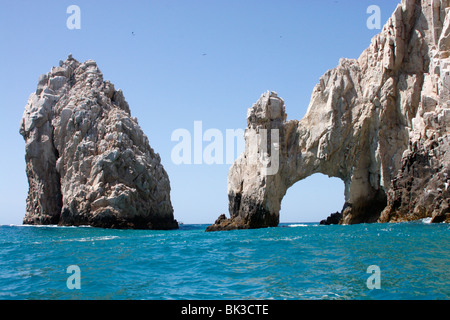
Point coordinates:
[[293, 261]]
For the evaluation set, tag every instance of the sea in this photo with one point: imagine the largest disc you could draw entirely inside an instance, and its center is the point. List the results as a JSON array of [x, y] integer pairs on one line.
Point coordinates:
[[294, 261]]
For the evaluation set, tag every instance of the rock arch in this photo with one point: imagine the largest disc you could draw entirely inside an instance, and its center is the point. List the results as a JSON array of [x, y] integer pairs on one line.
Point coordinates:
[[319, 143], [368, 122]]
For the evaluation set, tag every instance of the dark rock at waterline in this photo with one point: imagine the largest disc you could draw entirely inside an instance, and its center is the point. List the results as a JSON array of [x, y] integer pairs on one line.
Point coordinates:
[[223, 223], [333, 218]]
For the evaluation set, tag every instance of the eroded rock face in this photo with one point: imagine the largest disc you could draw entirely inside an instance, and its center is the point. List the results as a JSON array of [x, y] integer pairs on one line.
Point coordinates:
[[421, 188], [380, 123], [88, 161]]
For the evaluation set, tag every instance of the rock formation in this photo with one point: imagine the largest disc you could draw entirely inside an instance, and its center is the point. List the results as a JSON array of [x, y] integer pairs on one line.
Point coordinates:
[[333, 218], [88, 162], [380, 123]]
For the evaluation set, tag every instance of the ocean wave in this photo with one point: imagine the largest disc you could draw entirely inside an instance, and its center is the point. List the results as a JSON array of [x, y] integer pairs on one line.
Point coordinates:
[[297, 225], [276, 239], [31, 225], [426, 220], [88, 239], [44, 226]]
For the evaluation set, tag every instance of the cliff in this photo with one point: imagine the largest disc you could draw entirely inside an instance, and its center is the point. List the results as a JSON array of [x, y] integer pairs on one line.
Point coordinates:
[[87, 160], [380, 123]]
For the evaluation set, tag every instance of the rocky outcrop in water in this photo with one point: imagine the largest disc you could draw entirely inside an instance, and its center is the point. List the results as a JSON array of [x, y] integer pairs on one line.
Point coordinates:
[[380, 123], [88, 162], [333, 218]]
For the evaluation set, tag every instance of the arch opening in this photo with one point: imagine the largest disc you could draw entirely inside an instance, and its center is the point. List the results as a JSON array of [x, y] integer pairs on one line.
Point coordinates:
[[312, 199]]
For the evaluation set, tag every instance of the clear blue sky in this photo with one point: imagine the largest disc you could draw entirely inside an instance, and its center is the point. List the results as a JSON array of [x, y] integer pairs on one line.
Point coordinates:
[[188, 60]]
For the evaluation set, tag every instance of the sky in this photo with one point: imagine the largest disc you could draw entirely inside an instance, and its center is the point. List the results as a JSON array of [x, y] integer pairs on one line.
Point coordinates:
[[181, 61]]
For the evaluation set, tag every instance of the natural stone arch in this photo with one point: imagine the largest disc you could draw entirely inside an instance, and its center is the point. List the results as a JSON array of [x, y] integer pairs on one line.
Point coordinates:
[[327, 140], [319, 143], [379, 123]]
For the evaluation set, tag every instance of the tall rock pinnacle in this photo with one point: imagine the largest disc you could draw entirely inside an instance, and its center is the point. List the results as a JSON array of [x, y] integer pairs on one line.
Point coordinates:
[[88, 162]]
